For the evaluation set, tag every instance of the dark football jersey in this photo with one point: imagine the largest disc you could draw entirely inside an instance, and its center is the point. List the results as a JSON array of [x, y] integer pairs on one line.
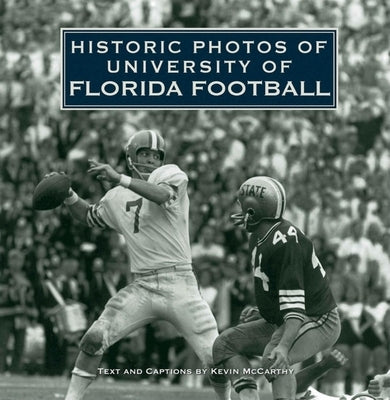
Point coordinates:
[[289, 279]]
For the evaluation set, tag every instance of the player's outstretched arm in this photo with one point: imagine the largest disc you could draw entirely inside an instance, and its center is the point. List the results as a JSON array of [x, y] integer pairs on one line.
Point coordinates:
[[77, 207], [156, 193]]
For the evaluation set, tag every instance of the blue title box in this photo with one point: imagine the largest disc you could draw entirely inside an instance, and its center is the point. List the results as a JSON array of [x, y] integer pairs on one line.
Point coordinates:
[[199, 68]]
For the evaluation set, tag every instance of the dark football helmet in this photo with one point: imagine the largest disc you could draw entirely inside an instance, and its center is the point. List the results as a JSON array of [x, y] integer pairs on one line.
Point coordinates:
[[261, 198], [145, 139]]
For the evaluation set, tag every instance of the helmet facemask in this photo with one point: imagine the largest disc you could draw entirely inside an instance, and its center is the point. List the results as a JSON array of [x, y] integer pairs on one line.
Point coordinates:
[[247, 219]]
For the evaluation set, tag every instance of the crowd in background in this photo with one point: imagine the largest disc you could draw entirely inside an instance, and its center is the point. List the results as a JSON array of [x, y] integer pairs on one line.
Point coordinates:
[[335, 166]]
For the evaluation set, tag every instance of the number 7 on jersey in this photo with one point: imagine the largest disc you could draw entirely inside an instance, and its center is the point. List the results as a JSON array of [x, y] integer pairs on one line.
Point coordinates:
[[136, 203]]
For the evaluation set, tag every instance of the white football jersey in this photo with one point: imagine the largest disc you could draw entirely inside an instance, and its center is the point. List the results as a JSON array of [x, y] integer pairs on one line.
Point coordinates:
[[156, 236]]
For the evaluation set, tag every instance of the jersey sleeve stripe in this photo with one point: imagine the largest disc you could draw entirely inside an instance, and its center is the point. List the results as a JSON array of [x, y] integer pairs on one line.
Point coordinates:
[[291, 299], [97, 216], [296, 292], [93, 221], [93, 218], [89, 220], [294, 315], [292, 305], [291, 302]]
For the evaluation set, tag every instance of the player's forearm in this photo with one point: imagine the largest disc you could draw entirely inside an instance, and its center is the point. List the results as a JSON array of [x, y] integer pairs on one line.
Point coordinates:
[[291, 328], [78, 209], [157, 194]]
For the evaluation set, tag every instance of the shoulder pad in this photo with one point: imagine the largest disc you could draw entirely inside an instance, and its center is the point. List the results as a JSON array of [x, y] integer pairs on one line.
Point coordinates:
[[165, 172]]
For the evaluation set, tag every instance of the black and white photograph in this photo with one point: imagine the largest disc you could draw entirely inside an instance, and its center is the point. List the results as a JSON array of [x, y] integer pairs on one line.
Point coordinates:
[[207, 252]]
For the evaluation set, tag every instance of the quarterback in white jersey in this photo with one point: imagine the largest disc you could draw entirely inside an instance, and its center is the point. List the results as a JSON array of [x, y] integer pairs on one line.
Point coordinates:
[[156, 236], [151, 210]]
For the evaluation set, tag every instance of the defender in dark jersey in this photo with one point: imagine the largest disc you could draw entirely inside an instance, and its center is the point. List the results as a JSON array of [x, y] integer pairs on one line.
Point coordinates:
[[289, 279], [292, 294]]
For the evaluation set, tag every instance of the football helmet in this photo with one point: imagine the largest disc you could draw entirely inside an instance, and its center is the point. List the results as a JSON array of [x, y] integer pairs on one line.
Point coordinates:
[[261, 198], [145, 139]]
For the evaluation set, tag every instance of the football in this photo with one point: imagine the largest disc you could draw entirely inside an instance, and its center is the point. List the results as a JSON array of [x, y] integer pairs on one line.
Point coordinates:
[[51, 191]]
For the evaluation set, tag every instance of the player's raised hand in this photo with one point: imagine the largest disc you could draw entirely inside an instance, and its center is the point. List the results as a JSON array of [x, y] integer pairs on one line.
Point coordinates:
[[103, 172], [379, 386], [374, 387]]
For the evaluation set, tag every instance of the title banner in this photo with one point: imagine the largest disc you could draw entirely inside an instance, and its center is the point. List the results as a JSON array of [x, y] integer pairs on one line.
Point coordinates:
[[199, 68]]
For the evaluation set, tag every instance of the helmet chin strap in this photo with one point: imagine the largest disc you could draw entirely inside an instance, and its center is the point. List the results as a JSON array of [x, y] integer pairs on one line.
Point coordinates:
[[249, 213], [143, 175], [134, 167], [246, 216], [242, 219]]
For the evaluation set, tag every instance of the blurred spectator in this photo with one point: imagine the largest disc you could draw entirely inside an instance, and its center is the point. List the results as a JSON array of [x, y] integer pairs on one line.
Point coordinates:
[[375, 313], [335, 218], [350, 343], [356, 243], [168, 344], [365, 212], [385, 266], [240, 296], [206, 248], [305, 210], [206, 287], [209, 293], [378, 157], [235, 290], [345, 154], [379, 266], [16, 309], [53, 290], [106, 281]]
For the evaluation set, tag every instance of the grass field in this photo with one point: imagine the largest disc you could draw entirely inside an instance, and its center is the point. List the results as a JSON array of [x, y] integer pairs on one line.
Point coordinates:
[[44, 388]]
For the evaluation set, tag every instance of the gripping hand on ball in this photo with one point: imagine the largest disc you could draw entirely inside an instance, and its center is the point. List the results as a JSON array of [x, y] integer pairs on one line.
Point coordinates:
[[50, 174], [104, 172]]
